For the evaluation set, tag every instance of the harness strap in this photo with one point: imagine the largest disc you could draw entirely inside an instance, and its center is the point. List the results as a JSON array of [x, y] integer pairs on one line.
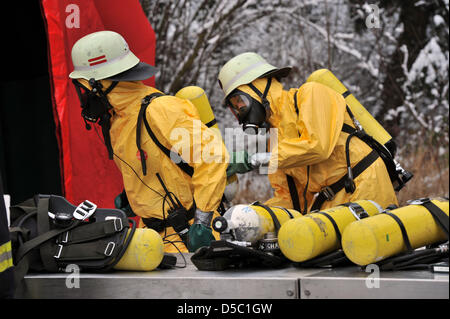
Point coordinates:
[[35, 242], [346, 181], [438, 214], [176, 158], [357, 211], [145, 102], [211, 123], [329, 192], [276, 222], [95, 250], [92, 231], [402, 229], [263, 95], [43, 226], [295, 103], [333, 222], [286, 211], [294, 193]]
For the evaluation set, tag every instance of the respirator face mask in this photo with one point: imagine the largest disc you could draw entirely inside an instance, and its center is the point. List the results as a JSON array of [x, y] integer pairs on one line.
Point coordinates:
[[249, 112], [94, 103], [95, 107], [252, 114]]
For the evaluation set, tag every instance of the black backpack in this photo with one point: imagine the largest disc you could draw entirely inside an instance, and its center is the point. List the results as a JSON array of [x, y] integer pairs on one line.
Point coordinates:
[[48, 233]]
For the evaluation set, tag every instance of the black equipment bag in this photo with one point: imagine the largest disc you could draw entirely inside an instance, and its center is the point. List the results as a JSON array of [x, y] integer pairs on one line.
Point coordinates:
[[222, 254], [48, 233]]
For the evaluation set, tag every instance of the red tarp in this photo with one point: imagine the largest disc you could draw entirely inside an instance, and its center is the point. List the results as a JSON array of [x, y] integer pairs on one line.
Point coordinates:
[[87, 172]]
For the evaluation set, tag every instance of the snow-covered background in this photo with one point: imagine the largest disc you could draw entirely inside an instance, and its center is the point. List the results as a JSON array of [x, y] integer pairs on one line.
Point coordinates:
[[393, 55]]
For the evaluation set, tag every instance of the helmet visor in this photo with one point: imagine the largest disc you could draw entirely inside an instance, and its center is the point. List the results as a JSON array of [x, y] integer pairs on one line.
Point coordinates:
[[139, 72]]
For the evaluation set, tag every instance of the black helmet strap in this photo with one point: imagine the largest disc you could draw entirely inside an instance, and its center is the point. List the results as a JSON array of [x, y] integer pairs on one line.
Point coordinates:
[[263, 96]]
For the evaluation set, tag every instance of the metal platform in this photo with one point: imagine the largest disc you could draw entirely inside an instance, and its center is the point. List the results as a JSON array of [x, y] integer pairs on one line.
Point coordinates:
[[286, 283]]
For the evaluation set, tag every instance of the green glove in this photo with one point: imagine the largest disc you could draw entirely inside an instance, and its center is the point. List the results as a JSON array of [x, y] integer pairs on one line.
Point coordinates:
[[239, 163], [200, 233], [121, 202]]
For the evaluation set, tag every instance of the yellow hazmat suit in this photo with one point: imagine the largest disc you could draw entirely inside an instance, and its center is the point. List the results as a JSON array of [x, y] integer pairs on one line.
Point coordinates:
[[315, 139], [175, 122]]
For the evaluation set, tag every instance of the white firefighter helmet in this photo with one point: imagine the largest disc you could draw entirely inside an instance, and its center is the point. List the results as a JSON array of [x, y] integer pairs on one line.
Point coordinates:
[[245, 68], [106, 55]]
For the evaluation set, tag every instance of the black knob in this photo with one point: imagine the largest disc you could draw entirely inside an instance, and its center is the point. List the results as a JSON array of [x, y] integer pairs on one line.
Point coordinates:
[[63, 219], [219, 224]]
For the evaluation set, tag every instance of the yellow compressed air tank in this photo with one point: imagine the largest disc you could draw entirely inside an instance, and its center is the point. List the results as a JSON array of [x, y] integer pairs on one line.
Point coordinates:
[[367, 121], [249, 223], [314, 234], [198, 97], [144, 253], [376, 238]]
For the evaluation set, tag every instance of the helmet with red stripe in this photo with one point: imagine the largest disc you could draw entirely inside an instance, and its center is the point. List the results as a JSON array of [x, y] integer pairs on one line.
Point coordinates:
[[106, 55]]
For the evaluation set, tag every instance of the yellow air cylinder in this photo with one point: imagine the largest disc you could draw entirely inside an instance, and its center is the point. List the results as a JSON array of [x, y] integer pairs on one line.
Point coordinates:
[[198, 97], [376, 238], [312, 235], [249, 223], [144, 253], [367, 121]]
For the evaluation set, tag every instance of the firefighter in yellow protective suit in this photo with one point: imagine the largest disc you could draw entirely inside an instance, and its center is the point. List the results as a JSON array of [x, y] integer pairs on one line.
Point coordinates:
[[310, 167], [157, 141]]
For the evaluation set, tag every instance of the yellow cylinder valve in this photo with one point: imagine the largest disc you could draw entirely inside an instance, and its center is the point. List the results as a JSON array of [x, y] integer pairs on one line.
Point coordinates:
[[314, 234], [376, 238], [144, 253]]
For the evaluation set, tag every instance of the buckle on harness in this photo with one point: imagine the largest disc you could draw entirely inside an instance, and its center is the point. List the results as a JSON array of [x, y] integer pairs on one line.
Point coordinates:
[[118, 227], [419, 201], [110, 248], [357, 211], [328, 193], [64, 238], [58, 253], [84, 210]]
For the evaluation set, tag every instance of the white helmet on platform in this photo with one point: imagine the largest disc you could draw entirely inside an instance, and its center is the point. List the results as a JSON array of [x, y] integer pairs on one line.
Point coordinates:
[[106, 55]]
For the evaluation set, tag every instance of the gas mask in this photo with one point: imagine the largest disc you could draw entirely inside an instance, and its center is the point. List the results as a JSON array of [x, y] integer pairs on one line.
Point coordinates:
[[252, 114], [95, 107]]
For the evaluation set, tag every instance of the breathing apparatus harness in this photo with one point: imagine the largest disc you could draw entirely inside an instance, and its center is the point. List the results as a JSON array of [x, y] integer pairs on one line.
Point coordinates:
[[48, 233], [399, 177], [96, 108], [178, 216]]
